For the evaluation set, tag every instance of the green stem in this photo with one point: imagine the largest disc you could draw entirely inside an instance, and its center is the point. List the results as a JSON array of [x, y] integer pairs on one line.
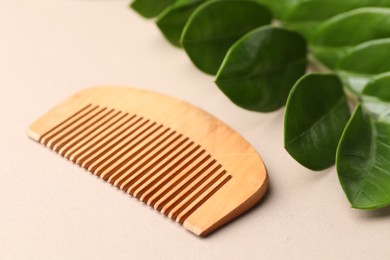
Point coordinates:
[[316, 66]]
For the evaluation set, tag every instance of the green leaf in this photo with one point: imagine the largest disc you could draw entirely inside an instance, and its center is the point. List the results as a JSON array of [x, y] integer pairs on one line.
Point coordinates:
[[260, 69], [363, 62], [368, 58], [305, 16], [150, 8], [171, 22], [376, 96], [363, 160], [279, 8], [379, 87], [316, 114], [304, 28], [333, 38], [320, 10], [215, 26]]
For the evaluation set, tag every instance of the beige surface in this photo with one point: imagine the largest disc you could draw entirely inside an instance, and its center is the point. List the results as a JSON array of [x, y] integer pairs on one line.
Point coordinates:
[[51, 209]]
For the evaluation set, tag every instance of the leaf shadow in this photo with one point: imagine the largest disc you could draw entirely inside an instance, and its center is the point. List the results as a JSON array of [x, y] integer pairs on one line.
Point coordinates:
[[319, 175], [278, 117], [375, 214]]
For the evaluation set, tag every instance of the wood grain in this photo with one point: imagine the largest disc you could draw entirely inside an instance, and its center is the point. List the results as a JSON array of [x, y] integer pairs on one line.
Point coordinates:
[[169, 154]]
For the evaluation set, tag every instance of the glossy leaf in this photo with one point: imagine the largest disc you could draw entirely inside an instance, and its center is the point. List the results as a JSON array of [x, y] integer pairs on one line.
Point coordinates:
[[260, 69], [305, 16], [379, 87], [279, 8], [150, 8], [363, 160], [261, 64], [376, 96], [215, 26], [333, 38], [320, 10], [171, 22], [363, 62], [316, 114]]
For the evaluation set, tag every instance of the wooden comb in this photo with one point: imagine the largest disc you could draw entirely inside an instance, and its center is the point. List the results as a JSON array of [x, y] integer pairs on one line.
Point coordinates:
[[171, 155]]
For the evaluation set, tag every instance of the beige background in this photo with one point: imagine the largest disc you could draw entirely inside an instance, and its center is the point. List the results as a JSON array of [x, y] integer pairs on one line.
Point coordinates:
[[51, 209]]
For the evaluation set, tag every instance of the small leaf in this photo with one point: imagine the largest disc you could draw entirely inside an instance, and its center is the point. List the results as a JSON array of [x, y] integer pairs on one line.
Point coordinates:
[[260, 69], [320, 10], [305, 16], [279, 8], [171, 22], [215, 26], [363, 62], [379, 87], [368, 58], [334, 37], [363, 160], [316, 114], [376, 96], [150, 8]]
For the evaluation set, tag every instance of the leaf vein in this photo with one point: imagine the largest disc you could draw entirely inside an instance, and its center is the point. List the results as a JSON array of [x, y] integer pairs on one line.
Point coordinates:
[[270, 71], [320, 120]]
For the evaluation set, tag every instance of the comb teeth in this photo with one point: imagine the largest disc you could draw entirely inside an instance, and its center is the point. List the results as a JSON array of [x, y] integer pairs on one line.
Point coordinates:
[[175, 158], [147, 160]]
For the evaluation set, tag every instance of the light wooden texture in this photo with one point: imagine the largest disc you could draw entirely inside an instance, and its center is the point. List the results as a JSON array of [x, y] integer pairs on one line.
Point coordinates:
[[169, 154]]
